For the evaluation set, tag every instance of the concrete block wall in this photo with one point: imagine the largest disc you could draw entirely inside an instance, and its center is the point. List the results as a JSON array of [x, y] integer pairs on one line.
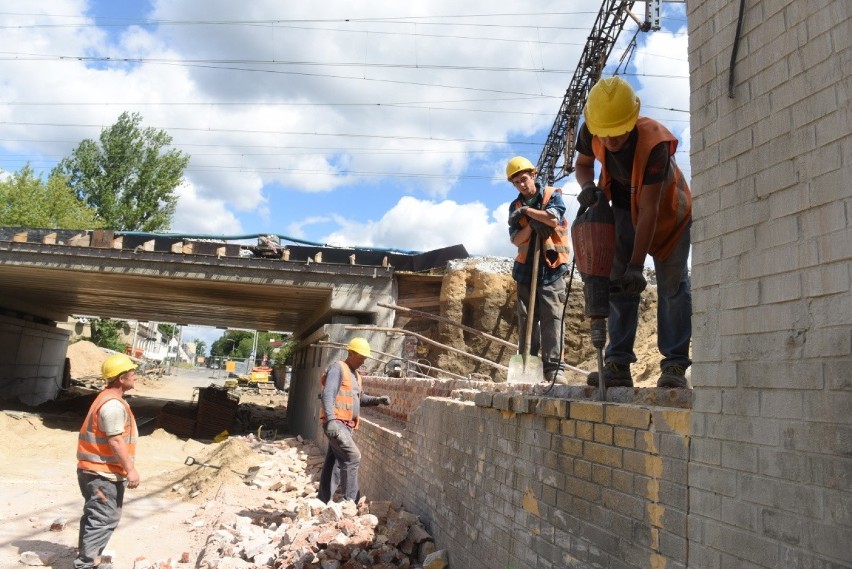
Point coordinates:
[[508, 479], [771, 455], [32, 360]]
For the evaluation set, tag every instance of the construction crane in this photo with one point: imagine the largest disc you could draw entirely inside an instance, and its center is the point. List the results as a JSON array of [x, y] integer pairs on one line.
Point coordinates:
[[563, 134]]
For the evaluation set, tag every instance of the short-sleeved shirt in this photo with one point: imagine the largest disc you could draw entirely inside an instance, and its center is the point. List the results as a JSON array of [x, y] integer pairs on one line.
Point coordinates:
[[619, 165], [111, 420]]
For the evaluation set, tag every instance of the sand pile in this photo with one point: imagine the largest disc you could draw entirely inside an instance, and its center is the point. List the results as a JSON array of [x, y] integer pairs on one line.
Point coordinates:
[[86, 359]]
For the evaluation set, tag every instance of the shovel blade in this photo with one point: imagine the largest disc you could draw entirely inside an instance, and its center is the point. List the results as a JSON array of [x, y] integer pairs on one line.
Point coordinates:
[[525, 369]]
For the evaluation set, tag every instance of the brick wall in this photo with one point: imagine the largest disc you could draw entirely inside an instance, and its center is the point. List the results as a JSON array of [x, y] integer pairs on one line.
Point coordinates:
[[771, 455], [508, 479]]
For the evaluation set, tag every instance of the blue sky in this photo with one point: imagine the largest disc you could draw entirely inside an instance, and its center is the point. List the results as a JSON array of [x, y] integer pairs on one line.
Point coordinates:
[[370, 124]]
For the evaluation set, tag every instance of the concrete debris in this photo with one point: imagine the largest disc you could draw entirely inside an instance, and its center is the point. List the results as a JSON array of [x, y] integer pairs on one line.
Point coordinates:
[[293, 529], [38, 558]]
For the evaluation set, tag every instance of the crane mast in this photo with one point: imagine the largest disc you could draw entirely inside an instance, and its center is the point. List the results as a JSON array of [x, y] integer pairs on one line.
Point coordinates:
[[563, 133]]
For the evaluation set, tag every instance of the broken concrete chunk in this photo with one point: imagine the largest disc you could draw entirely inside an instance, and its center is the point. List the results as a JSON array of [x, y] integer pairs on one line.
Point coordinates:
[[38, 558]]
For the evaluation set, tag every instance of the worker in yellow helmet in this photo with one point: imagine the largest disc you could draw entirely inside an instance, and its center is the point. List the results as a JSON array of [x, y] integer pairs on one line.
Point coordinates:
[[652, 204], [537, 218], [106, 450], [342, 399]]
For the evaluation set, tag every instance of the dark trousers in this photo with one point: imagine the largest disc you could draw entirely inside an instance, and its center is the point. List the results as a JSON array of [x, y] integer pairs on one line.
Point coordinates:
[[340, 468], [101, 513]]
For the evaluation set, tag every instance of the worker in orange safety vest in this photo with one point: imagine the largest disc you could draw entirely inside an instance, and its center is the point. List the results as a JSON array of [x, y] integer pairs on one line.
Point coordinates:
[[341, 402], [106, 449]]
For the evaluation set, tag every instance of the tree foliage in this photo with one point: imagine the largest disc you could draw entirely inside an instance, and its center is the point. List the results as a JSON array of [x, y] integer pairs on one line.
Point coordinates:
[[128, 177], [200, 347], [238, 344], [106, 333], [28, 201]]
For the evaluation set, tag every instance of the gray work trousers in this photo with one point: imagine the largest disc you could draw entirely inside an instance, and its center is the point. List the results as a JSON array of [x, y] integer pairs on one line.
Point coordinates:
[[101, 513], [342, 460], [547, 322]]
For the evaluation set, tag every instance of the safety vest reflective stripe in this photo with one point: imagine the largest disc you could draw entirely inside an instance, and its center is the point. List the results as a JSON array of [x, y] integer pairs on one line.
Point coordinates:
[[344, 403], [93, 450]]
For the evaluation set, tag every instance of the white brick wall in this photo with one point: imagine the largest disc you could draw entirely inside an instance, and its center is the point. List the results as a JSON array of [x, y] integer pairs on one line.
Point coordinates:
[[772, 341]]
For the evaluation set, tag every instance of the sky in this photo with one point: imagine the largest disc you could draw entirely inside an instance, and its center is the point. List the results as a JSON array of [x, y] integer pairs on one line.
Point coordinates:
[[368, 124]]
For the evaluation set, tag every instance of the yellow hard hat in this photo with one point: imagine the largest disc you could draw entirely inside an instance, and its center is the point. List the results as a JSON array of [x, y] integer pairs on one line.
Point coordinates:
[[116, 365], [612, 108], [359, 346], [518, 164]]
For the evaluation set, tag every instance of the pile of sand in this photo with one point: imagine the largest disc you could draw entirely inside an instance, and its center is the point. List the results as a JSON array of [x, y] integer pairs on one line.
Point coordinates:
[[86, 359]]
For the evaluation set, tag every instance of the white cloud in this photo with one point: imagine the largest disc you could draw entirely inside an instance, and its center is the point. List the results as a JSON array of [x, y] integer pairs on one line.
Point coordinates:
[[202, 215], [422, 225], [317, 98]]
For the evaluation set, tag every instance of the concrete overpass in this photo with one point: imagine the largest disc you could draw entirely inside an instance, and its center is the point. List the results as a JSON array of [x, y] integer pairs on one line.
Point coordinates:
[[48, 275]]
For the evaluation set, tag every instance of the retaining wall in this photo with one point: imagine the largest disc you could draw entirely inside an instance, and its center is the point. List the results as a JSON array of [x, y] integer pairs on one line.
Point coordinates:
[[512, 479]]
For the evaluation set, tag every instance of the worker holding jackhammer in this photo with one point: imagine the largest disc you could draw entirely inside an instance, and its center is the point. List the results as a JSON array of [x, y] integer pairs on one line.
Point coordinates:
[[652, 205], [537, 216], [342, 399], [106, 450]]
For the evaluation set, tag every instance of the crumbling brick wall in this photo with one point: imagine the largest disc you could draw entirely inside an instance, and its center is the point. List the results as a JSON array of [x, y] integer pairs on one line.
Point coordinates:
[[508, 479]]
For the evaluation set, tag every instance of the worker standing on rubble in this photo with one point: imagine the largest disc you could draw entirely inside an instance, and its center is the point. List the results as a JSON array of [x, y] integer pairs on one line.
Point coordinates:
[[342, 399], [541, 212], [652, 205], [106, 449]]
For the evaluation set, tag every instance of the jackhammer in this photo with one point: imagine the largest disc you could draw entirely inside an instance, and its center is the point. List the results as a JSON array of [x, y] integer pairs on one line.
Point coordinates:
[[593, 235]]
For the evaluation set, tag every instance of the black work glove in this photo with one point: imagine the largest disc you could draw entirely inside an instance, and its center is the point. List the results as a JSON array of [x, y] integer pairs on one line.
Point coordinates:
[[384, 400], [515, 216], [588, 196], [332, 429], [633, 281], [542, 229]]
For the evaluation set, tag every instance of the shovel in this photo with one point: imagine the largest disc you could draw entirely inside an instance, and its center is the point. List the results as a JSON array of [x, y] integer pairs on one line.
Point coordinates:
[[524, 368], [191, 461]]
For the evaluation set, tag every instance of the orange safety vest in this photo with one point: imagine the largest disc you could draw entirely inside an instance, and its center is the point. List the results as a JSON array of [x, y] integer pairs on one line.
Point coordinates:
[[675, 209], [557, 248], [93, 450], [344, 401]]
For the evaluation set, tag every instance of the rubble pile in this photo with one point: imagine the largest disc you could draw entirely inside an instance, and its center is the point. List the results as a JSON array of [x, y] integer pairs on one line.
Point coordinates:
[[289, 527]]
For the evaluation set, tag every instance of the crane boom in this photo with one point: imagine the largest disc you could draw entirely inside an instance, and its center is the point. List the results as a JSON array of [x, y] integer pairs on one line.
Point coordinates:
[[563, 133]]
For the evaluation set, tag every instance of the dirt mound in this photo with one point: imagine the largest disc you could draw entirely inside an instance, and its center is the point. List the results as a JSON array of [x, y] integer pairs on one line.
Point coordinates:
[[480, 293], [86, 359], [230, 462]]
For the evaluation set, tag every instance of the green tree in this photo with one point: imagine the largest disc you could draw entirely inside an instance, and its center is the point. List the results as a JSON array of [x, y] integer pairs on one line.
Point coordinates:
[[106, 333], [129, 177], [200, 347], [27, 201]]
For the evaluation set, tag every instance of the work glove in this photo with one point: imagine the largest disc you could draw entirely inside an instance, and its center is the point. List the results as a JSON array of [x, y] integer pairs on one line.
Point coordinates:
[[384, 400], [515, 216], [332, 429], [588, 196], [633, 281], [542, 229]]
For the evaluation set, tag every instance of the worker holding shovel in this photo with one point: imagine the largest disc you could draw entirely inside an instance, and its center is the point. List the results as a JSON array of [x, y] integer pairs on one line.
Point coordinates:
[[537, 227], [652, 206]]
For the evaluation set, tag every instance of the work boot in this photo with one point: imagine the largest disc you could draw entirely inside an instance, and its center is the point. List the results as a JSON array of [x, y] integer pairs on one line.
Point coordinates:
[[672, 376], [556, 376], [615, 375]]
